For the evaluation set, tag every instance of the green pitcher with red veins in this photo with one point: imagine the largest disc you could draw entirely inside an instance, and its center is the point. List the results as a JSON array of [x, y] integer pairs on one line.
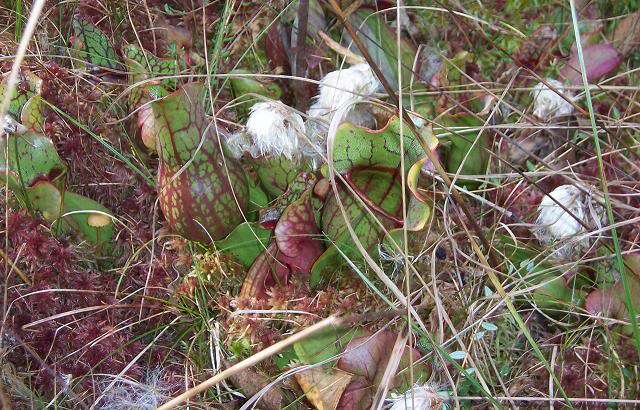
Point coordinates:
[[202, 192]]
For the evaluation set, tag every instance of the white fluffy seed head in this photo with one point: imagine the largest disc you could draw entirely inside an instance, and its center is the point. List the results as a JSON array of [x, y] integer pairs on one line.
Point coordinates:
[[556, 222], [419, 397], [275, 129], [344, 87], [555, 225], [237, 144], [547, 104], [338, 89]]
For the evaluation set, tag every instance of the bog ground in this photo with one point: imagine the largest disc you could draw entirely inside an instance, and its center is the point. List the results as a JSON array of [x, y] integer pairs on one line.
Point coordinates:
[[320, 204]]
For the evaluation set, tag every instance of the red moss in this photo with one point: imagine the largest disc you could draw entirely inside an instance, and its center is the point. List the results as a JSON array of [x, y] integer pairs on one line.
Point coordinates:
[[83, 343]]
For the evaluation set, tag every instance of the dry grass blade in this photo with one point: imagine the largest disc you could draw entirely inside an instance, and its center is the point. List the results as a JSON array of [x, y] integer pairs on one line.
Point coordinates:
[[390, 371], [15, 268], [349, 55]]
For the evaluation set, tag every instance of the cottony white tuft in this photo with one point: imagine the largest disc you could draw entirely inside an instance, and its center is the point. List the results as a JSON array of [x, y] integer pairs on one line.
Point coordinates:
[[237, 144], [547, 104], [338, 89], [129, 394], [555, 224], [275, 129], [344, 87], [420, 397]]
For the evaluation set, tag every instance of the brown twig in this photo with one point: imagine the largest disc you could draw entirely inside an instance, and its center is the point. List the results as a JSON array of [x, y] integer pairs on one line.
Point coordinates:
[[369, 203], [303, 23]]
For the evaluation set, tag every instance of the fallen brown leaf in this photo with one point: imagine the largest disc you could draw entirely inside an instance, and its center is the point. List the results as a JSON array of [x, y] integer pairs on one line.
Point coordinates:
[[323, 387]]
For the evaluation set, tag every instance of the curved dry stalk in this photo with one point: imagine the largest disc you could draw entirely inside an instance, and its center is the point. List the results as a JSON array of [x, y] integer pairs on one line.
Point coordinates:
[[390, 370], [350, 56]]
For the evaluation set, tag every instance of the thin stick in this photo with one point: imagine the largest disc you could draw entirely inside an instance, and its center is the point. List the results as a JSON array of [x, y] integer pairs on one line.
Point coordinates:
[[251, 361], [303, 21], [300, 63], [20, 53]]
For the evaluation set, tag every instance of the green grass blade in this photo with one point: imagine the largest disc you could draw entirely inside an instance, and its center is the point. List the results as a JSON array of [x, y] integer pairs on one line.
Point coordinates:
[[619, 262], [17, 8]]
